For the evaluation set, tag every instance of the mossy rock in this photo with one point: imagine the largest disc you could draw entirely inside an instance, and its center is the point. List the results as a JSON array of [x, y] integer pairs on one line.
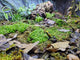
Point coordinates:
[[58, 34]]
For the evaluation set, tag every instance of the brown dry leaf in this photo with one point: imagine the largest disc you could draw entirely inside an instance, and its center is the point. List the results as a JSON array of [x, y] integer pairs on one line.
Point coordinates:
[[72, 57], [61, 45]]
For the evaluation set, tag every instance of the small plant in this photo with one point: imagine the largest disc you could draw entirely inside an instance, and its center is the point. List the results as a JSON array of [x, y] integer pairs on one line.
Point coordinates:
[[7, 13], [38, 19], [16, 17], [49, 15]]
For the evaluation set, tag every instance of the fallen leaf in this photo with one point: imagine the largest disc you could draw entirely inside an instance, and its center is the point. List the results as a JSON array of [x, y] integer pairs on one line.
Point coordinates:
[[61, 45], [72, 57]]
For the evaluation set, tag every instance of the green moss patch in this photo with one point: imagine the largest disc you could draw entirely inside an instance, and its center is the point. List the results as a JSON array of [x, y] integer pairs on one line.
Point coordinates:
[[59, 35], [21, 27], [49, 15], [37, 35], [38, 19]]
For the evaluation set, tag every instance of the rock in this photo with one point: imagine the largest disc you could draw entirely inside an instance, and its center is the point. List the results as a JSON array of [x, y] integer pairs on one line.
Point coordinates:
[[61, 45], [47, 22], [50, 22], [30, 58], [63, 30], [24, 4], [72, 41], [78, 52], [75, 35], [41, 9], [2, 37], [70, 51], [27, 57], [72, 57], [4, 42], [78, 30]]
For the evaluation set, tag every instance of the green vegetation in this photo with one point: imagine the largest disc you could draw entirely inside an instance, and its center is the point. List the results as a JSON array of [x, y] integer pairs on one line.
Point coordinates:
[[60, 22], [37, 35], [16, 17], [6, 12], [49, 15], [58, 56], [73, 21], [15, 55], [21, 27], [38, 19], [59, 35]]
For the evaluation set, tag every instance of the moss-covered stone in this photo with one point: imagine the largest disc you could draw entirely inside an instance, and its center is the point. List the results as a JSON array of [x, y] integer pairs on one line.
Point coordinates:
[[59, 35]]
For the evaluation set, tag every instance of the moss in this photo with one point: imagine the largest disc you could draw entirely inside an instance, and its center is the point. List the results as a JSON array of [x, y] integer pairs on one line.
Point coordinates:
[[59, 22], [49, 15], [15, 55], [21, 27], [58, 56], [38, 19], [72, 22], [37, 35], [59, 35]]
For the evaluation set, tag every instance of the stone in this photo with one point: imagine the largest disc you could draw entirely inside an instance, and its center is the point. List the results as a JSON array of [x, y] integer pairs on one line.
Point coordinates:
[[63, 30], [50, 22], [41, 9], [4, 42]]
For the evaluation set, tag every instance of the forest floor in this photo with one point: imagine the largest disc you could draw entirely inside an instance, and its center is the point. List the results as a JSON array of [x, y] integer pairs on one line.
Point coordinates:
[[58, 38]]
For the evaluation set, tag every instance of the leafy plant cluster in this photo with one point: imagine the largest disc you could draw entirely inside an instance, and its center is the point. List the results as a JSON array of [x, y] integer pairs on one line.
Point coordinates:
[[17, 16], [49, 15], [21, 27], [37, 35], [38, 19]]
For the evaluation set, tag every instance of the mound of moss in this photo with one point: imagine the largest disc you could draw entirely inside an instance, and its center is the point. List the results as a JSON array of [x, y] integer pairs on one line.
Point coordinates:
[[58, 34], [37, 35], [21, 27]]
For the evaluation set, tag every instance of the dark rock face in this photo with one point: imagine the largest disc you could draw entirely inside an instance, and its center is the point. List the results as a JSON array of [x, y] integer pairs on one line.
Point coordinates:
[[62, 5]]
